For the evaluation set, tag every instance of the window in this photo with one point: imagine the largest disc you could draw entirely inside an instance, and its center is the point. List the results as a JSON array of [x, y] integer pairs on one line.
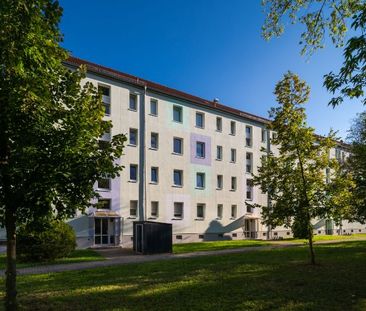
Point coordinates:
[[178, 178], [249, 162], [219, 124], [218, 152], [248, 136], [177, 114], [153, 107], [133, 208], [274, 135], [233, 183], [200, 180], [249, 189], [154, 209], [219, 182], [155, 175], [133, 137], [233, 211], [178, 145], [232, 127], [108, 133], [233, 155], [104, 204], [219, 211], [249, 209], [338, 154], [200, 149], [200, 120], [105, 91], [104, 183], [264, 135], [133, 172], [201, 211], [154, 141], [133, 102], [178, 210]]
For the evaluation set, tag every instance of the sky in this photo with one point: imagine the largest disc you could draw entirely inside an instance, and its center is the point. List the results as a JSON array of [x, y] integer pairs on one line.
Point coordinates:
[[208, 48]]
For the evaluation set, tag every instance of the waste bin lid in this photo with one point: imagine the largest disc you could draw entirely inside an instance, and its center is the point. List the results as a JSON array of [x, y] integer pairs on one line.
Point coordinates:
[[105, 214]]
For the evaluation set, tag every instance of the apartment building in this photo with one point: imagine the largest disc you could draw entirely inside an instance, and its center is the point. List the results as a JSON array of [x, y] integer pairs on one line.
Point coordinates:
[[188, 162]]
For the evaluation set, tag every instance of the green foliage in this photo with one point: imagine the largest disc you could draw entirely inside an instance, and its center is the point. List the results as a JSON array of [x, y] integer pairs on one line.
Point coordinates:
[[53, 240], [322, 17], [357, 167], [299, 228], [50, 125], [295, 178]]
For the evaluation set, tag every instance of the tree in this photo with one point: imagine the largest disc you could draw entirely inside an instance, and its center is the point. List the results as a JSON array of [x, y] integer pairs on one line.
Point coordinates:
[[357, 166], [296, 179], [322, 17], [49, 127]]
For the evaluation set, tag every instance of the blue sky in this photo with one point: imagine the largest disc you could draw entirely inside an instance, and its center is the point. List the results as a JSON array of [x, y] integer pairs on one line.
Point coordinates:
[[209, 48]]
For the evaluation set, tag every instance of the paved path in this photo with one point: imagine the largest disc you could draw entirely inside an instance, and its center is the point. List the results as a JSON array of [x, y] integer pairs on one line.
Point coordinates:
[[126, 256]]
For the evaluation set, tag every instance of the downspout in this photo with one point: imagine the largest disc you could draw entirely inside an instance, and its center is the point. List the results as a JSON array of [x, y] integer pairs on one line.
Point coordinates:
[[142, 157], [268, 134]]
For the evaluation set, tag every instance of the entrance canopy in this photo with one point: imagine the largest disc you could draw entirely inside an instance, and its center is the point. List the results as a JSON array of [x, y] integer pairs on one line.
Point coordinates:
[[102, 214]]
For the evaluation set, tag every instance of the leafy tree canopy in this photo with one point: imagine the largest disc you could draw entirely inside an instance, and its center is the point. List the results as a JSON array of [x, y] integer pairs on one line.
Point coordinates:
[[323, 18]]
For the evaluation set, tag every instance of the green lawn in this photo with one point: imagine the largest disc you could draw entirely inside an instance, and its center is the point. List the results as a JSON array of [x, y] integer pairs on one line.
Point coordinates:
[[79, 255], [229, 244], [279, 279], [215, 245], [318, 238]]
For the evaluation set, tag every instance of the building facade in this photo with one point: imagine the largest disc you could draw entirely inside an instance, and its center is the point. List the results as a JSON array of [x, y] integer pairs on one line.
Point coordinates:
[[188, 161]]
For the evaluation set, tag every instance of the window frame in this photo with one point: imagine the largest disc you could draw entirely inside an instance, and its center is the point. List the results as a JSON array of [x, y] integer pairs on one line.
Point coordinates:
[[133, 130], [157, 209], [203, 149], [132, 95], [219, 185], [203, 180], [218, 122], [203, 207], [202, 116], [135, 166], [175, 215], [181, 145], [219, 150], [181, 178], [155, 102], [232, 128], [137, 209], [180, 109], [157, 175], [154, 134]]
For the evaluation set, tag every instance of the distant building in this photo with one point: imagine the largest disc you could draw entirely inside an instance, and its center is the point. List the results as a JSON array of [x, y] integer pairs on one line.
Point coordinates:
[[188, 161]]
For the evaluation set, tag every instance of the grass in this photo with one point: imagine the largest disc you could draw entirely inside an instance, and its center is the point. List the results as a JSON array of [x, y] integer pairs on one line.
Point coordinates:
[[279, 279], [319, 238], [79, 255], [230, 244], [215, 245]]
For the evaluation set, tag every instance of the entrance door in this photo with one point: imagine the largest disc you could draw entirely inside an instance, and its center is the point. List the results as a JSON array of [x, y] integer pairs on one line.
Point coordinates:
[[104, 231]]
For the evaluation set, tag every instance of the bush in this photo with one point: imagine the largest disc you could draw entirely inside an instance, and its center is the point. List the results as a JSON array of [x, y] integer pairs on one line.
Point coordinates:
[[55, 239]]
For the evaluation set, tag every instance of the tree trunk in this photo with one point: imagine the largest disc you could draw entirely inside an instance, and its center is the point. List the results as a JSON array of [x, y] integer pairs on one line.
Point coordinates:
[[11, 292], [312, 254]]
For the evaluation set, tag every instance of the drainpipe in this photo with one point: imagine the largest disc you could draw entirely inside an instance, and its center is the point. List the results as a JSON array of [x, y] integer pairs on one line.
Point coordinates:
[[142, 157], [269, 229]]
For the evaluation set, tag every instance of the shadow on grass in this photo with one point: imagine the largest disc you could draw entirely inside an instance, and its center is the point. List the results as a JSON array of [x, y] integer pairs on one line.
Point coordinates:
[[263, 280]]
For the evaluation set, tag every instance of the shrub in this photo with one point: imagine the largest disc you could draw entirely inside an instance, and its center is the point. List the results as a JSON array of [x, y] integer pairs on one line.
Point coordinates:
[[45, 242]]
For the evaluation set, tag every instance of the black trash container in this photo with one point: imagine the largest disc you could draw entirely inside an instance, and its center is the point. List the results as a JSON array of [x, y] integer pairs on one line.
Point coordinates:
[[151, 237]]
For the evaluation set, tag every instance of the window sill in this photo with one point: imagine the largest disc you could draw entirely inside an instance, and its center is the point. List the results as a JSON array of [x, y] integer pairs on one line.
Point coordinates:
[[132, 181], [246, 146], [232, 218], [200, 188], [200, 127], [103, 190], [131, 145], [152, 148], [218, 159], [179, 122], [153, 183], [177, 186], [199, 219], [178, 154], [200, 158], [131, 109], [218, 188], [233, 162], [177, 218], [218, 131], [232, 134], [153, 115], [218, 218], [233, 190]]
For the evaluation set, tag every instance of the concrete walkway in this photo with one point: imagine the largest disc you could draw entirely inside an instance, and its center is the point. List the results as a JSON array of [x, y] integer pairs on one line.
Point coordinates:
[[122, 256]]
